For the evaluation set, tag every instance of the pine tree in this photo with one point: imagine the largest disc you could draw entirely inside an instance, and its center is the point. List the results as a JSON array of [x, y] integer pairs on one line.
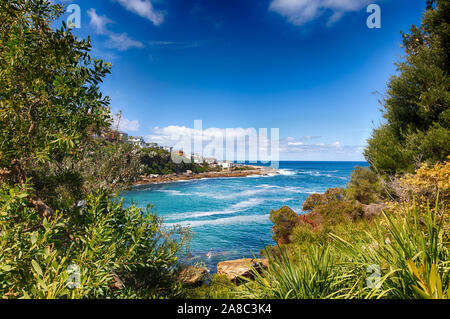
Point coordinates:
[[416, 105]]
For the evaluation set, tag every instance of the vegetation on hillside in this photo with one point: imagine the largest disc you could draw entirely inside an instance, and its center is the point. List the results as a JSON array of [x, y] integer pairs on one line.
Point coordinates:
[[61, 234], [386, 234], [416, 105], [159, 162]]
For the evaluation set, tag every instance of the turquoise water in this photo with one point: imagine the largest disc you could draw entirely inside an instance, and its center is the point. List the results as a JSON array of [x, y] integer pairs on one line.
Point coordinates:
[[229, 217]]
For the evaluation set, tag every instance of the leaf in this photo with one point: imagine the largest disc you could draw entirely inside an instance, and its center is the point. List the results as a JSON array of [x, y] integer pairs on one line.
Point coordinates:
[[439, 287], [421, 293], [433, 279], [36, 267], [6, 268], [412, 267], [33, 237]]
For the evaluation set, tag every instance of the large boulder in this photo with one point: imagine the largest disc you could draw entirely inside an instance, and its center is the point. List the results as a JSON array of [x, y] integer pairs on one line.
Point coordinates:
[[193, 275], [234, 269]]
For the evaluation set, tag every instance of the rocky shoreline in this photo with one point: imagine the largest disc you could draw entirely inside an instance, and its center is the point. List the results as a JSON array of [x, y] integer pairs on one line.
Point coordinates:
[[255, 170]]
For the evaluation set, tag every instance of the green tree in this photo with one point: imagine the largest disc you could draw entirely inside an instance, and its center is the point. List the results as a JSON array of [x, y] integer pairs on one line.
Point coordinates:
[[364, 185], [50, 102], [416, 105], [50, 106]]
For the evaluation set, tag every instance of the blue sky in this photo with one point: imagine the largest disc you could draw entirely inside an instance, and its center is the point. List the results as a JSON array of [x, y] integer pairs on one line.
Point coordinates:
[[307, 67]]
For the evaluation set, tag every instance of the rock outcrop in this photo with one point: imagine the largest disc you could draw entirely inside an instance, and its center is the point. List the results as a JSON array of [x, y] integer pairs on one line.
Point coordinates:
[[193, 275], [234, 269]]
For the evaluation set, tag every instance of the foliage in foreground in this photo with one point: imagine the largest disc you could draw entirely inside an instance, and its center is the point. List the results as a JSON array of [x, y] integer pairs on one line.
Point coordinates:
[[402, 257], [101, 250], [404, 253], [59, 238], [417, 102]]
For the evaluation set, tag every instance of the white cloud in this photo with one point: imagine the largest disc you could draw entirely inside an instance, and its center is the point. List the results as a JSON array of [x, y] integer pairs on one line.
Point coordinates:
[[173, 133], [311, 148], [143, 8], [119, 41], [99, 23], [300, 12], [295, 143], [126, 125], [122, 42], [210, 142], [303, 148]]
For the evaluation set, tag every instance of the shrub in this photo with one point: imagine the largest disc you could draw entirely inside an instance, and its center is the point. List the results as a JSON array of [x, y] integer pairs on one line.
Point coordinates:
[[364, 186], [315, 277], [284, 220], [302, 234], [425, 184], [405, 256], [332, 207], [406, 242], [50, 97], [220, 287], [120, 253]]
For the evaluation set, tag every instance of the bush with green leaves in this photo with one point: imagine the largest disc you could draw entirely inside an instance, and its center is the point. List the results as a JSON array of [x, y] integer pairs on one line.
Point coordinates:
[[364, 186], [50, 101], [417, 102], [332, 207], [219, 287], [120, 253], [405, 256], [315, 277], [417, 239], [284, 220]]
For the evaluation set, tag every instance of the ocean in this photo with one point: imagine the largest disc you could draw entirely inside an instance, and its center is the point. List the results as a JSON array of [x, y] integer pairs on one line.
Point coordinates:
[[229, 217]]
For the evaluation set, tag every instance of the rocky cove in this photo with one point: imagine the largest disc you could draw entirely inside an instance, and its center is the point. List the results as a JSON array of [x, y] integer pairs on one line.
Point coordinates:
[[254, 170]]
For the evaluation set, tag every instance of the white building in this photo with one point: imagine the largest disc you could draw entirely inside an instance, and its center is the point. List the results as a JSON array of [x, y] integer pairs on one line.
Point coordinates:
[[137, 141], [226, 165], [197, 159], [210, 160]]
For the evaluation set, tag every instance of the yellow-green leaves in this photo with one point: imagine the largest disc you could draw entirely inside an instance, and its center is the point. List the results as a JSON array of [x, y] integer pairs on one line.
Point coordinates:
[[428, 284], [37, 269]]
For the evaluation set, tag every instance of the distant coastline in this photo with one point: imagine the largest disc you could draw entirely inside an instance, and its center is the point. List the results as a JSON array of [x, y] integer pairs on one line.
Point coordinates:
[[254, 170]]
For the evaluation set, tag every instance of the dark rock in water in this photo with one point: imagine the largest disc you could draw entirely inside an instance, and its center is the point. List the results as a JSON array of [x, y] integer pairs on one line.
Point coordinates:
[[234, 269], [193, 275]]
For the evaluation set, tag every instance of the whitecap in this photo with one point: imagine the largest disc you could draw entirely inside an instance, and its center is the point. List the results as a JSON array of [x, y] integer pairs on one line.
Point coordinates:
[[189, 215], [172, 192], [286, 172], [223, 221], [249, 203]]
